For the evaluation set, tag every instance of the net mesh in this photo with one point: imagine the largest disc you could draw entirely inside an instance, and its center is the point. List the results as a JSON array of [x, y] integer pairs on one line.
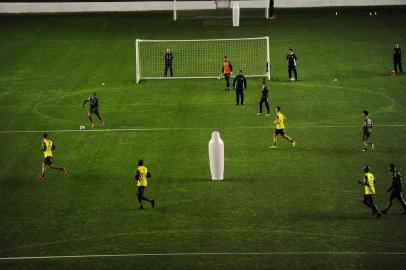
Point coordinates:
[[202, 58], [222, 4], [218, 10]]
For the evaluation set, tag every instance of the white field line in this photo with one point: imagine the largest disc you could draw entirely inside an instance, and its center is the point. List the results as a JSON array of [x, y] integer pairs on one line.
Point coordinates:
[[183, 128], [205, 254]]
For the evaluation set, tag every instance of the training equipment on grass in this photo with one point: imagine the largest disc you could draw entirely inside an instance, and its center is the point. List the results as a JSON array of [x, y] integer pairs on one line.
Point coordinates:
[[236, 15], [202, 58], [218, 9], [216, 156]]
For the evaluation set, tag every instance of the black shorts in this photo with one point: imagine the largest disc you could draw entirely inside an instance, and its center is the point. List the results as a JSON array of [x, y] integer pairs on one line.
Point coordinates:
[[369, 198], [365, 135], [48, 161], [141, 190], [264, 99], [94, 110], [279, 132]]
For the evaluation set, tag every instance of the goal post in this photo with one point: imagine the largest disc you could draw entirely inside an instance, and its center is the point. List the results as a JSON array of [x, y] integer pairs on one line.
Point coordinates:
[[202, 58]]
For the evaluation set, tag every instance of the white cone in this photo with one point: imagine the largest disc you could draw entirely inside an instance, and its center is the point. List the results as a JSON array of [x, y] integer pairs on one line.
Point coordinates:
[[216, 156]]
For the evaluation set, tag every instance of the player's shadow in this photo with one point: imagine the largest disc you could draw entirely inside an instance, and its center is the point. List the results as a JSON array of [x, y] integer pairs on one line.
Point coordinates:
[[332, 216], [328, 151]]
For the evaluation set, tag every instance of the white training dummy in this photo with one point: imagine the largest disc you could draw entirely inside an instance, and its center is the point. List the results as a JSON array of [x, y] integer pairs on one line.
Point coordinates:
[[216, 156], [236, 15]]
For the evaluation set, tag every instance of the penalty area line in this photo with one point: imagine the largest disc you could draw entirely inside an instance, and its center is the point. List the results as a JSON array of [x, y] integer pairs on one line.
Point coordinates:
[[183, 128], [203, 254]]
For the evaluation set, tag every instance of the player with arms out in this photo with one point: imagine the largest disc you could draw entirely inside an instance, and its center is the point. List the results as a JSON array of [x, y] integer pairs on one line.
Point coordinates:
[[366, 131], [279, 121], [93, 109], [141, 176], [47, 147], [368, 181]]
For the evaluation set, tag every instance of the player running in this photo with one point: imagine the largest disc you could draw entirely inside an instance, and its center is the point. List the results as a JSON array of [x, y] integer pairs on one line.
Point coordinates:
[[395, 190], [93, 109], [264, 98], [366, 131], [279, 121], [368, 181], [141, 176], [47, 147]]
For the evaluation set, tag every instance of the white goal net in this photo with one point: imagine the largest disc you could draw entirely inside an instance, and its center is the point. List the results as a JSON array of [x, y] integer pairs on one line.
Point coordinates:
[[218, 9], [201, 58]]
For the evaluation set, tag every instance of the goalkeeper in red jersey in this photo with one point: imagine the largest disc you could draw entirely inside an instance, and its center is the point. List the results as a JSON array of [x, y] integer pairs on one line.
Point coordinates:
[[227, 71]]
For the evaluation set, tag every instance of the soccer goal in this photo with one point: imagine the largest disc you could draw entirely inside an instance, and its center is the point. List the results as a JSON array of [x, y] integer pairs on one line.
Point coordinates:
[[202, 58], [218, 9]]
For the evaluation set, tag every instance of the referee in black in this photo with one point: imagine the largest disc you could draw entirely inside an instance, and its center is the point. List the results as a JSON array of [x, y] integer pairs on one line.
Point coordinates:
[[397, 58], [239, 84], [291, 60], [395, 190], [168, 62]]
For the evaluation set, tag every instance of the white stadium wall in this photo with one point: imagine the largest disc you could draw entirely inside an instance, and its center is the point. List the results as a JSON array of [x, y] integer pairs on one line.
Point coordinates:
[[55, 7]]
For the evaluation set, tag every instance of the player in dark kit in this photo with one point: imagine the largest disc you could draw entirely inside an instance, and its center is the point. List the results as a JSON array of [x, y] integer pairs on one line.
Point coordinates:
[[291, 60], [395, 190], [368, 182], [264, 98], [366, 131], [93, 109], [141, 177], [239, 84], [168, 62], [397, 58]]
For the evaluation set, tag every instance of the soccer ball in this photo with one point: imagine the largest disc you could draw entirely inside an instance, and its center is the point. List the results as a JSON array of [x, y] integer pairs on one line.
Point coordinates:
[[82, 127]]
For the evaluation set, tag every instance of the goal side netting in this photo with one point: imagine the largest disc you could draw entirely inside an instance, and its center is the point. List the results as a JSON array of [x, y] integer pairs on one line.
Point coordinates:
[[202, 58], [218, 9]]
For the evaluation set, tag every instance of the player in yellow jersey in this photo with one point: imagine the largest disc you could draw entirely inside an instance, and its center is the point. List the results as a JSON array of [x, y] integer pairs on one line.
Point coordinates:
[[47, 147], [279, 122], [141, 176], [368, 182]]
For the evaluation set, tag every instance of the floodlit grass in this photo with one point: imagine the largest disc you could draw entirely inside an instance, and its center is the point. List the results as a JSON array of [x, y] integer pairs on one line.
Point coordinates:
[[289, 201]]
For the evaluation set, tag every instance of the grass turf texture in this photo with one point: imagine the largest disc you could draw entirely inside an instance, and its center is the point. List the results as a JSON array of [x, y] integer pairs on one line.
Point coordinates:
[[303, 199]]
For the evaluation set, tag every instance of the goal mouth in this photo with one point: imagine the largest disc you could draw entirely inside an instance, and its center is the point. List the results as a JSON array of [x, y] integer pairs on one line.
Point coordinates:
[[201, 58]]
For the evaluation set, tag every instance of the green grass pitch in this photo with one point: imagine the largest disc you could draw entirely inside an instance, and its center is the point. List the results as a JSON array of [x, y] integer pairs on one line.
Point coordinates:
[[290, 208]]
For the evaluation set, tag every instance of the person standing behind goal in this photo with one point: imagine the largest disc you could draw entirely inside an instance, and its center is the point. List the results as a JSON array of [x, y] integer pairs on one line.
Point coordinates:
[[227, 71], [271, 15], [397, 58], [239, 84]]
